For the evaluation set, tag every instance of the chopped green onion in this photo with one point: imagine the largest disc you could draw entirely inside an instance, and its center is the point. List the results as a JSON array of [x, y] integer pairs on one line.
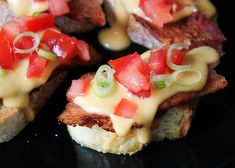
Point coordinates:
[[177, 46], [176, 75], [2, 72], [161, 81], [36, 41], [36, 14], [46, 54], [103, 83], [160, 84]]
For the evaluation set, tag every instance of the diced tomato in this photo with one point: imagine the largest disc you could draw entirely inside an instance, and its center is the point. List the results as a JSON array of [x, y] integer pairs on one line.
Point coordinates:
[[36, 66], [157, 61], [134, 74], [126, 109], [83, 50], [39, 23], [159, 11], [58, 8], [63, 46], [6, 53], [177, 57], [115, 64], [50, 37], [12, 28], [78, 88]]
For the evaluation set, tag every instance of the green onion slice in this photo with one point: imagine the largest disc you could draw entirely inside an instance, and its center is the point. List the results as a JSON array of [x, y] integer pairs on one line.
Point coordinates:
[[160, 84], [177, 46], [36, 14], [104, 83], [46, 54], [193, 74], [2, 71], [36, 41], [162, 81]]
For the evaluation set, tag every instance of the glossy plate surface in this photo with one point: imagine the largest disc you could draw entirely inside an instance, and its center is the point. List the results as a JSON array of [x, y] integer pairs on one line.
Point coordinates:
[[210, 143]]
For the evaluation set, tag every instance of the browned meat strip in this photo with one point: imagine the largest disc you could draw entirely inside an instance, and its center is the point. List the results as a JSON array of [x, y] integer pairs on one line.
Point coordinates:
[[84, 16], [75, 115], [88, 12], [196, 28]]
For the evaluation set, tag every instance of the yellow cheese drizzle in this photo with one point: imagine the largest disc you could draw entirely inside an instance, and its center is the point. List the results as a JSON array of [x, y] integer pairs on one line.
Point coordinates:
[[15, 86]]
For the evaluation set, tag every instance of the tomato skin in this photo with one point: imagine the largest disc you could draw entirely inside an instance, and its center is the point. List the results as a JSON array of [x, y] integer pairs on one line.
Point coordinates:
[[159, 11], [134, 74], [36, 66], [177, 57], [126, 109], [115, 64], [39, 23], [65, 47], [83, 51], [157, 61], [50, 37], [78, 88], [58, 8], [6, 52]]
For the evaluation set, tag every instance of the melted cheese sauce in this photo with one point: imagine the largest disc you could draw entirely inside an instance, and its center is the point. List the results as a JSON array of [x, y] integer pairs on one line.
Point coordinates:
[[15, 86], [199, 58], [205, 6], [27, 7], [116, 38]]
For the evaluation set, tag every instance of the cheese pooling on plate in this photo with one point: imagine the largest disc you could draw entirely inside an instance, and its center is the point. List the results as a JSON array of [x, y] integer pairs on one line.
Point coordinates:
[[116, 38], [125, 104]]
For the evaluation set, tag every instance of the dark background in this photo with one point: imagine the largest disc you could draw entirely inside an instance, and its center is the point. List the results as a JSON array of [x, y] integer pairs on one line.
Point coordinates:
[[210, 143]]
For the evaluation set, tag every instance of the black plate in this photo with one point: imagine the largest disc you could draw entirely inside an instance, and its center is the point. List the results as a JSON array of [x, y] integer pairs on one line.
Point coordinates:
[[210, 143]]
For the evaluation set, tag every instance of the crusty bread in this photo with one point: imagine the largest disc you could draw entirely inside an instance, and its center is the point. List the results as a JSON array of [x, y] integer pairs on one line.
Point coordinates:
[[172, 124], [13, 120]]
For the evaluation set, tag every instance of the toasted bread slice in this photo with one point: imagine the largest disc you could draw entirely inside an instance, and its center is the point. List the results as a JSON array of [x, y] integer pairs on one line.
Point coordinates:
[[173, 124]]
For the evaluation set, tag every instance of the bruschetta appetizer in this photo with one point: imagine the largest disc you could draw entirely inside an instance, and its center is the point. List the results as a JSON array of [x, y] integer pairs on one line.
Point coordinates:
[[34, 59], [134, 99]]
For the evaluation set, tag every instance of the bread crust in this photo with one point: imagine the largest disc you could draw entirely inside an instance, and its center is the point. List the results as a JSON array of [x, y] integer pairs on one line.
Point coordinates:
[[104, 141]]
